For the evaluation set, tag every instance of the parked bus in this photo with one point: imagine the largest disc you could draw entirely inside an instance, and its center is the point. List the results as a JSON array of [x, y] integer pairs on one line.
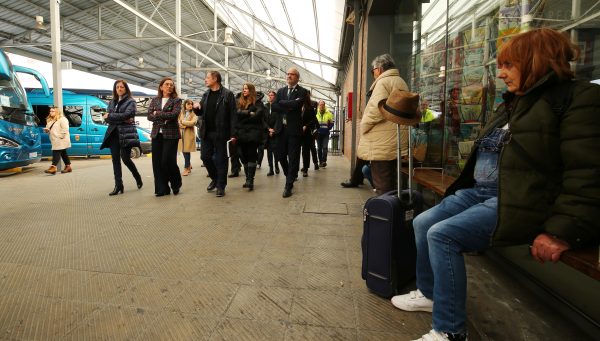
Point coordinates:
[[20, 142], [85, 115]]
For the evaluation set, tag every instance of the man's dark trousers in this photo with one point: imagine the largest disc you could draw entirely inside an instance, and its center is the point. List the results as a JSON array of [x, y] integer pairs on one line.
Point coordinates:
[[289, 155], [217, 168]]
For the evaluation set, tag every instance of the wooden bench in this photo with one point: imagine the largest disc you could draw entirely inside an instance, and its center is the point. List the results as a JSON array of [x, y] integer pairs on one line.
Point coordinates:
[[585, 260], [432, 179]]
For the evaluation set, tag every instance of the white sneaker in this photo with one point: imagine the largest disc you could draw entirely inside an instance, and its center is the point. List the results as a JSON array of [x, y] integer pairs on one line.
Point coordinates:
[[437, 336], [413, 301]]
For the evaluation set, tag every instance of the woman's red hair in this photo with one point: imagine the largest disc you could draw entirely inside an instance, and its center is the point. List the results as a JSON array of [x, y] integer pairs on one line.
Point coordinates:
[[536, 53]]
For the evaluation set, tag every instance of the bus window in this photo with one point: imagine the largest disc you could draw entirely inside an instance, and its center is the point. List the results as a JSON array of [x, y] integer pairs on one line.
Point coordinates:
[[97, 113], [41, 112], [73, 114]]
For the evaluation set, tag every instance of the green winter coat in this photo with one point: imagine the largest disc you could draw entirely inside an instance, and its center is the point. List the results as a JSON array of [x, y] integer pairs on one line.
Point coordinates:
[[549, 178]]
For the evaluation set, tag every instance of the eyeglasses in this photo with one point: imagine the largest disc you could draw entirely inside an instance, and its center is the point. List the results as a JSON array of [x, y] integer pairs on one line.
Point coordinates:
[[291, 74]]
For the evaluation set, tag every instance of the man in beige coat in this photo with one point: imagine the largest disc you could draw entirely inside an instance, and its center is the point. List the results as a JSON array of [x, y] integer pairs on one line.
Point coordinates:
[[378, 137]]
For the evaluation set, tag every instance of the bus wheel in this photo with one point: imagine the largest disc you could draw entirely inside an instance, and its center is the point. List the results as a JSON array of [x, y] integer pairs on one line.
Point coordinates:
[[135, 152]]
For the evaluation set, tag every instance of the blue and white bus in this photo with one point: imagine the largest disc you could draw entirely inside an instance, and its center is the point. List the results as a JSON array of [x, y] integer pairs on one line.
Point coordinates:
[[20, 142]]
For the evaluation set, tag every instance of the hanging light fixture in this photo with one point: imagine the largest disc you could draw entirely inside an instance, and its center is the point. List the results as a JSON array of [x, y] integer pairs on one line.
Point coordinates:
[[228, 40], [39, 23], [141, 62], [268, 77], [190, 81]]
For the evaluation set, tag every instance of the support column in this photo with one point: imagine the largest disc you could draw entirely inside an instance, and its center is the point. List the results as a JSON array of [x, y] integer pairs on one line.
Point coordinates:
[[56, 54], [226, 66], [357, 22], [575, 14], [178, 46]]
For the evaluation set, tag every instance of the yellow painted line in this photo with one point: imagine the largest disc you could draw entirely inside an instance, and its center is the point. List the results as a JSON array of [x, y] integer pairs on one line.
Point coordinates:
[[13, 170], [105, 157]]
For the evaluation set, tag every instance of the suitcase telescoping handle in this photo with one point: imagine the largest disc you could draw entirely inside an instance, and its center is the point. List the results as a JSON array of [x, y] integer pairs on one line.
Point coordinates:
[[399, 163]]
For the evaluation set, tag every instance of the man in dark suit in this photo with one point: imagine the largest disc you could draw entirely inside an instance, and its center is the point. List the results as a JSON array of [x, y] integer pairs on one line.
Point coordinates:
[[217, 109], [289, 103]]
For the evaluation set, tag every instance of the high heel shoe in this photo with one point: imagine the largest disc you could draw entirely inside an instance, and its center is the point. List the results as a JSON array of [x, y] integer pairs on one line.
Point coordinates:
[[118, 188], [138, 181]]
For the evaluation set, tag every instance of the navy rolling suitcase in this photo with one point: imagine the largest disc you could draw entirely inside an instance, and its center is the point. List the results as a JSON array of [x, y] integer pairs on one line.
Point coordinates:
[[388, 241]]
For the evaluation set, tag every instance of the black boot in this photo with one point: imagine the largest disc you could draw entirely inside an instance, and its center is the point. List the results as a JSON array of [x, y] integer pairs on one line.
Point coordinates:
[[245, 185], [250, 176], [138, 180], [118, 188]]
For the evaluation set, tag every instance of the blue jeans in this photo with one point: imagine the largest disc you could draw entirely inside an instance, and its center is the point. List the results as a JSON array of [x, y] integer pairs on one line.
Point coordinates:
[[186, 159], [322, 146], [462, 222]]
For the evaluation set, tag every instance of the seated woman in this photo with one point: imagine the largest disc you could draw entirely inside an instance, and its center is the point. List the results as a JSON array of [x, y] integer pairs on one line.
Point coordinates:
[[532, 177]]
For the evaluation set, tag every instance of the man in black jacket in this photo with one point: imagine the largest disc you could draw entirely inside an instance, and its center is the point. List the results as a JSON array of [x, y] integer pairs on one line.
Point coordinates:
[[217, 108], [289, 103]]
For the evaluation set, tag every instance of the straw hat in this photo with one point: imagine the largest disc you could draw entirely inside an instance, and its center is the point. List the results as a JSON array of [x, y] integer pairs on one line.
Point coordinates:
[[402, 107]]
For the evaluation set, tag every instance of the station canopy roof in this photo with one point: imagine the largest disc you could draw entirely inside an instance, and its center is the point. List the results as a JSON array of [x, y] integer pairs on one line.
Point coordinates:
[[136, 39]]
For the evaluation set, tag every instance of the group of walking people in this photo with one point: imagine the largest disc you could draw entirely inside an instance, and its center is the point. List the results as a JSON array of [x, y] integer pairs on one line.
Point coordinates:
[[228, 124]]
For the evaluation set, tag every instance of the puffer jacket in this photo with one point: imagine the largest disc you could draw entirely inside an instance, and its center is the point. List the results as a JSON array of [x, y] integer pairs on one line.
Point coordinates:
[[121, 117], [250, 123], [378, 137], [549, 179]]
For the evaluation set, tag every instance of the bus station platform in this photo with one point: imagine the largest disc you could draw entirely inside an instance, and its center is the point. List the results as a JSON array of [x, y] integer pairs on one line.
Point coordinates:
[[76, 264]]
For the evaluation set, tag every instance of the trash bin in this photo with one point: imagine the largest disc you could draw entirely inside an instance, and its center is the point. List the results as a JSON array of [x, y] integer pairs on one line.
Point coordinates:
[[335, 140]]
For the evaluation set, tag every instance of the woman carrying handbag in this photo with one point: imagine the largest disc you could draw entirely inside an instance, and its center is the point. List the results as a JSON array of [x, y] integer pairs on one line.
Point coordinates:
[[57, 127]]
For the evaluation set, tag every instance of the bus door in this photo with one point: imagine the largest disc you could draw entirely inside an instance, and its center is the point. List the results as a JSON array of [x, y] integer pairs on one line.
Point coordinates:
[[96, 130], [77, 128]]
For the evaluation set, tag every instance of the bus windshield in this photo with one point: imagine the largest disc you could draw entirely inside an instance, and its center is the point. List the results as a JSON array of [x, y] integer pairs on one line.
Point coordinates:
[[12, 94]]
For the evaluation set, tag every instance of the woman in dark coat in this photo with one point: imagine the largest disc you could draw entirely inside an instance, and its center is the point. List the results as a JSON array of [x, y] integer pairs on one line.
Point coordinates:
[[249, 129], [163, 112], [121, 134], [271, 119]]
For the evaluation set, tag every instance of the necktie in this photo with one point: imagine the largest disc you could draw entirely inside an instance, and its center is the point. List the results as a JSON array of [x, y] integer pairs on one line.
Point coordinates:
[[289, 92]]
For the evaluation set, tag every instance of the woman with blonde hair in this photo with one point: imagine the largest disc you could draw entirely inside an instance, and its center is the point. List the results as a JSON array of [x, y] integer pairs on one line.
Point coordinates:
[[187, 144], [249, 129], [57, 127]]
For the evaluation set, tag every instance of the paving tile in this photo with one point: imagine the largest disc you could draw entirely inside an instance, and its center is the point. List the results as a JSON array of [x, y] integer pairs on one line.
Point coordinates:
[[296, 332], [248, 330], [174, 325], [150, 293], [261, 303], [280, 254], [284, 240], [209, 299], [227, 271], [27, 316], [274, 274], [321, 277], [326, 242], [113, 323], [323, 308], [325, 257]]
